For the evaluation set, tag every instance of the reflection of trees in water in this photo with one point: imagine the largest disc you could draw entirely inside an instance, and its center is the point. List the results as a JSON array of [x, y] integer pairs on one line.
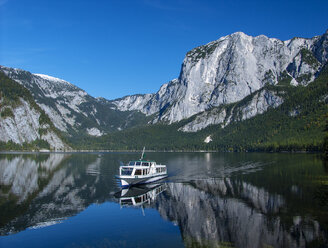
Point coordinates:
[[226, 212], [325, 163], [321, 195]]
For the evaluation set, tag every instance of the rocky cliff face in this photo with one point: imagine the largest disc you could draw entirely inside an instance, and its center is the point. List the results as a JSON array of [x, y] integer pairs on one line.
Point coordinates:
[[22, 120], [258, 103], [24, 127], [228, 70]]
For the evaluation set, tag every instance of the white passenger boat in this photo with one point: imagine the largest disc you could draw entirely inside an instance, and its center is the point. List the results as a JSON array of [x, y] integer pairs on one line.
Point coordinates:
[[140, 172]]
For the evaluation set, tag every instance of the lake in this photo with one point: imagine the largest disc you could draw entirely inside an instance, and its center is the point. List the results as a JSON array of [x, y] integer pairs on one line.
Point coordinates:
[[208, 200]]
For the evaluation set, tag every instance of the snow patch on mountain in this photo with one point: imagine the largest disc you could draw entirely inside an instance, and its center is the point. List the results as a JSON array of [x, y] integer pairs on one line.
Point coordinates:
[[53, 79], [208, 139], [94, 132]]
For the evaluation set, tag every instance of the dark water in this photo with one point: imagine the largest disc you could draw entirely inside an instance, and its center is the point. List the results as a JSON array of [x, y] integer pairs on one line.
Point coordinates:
[[208, 200]]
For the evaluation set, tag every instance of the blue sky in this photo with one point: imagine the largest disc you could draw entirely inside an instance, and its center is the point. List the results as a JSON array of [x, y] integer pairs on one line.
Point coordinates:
[[115, 48]]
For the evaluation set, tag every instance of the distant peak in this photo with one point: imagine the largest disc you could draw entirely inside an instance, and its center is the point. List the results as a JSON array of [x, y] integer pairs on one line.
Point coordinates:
[[239, 33], [50, 78]]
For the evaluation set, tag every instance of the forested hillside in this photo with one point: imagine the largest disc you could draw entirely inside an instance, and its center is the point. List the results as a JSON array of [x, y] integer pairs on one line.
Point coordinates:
[[297, 124]]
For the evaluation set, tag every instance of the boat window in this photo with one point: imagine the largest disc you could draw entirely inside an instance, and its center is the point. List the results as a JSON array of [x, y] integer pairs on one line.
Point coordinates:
[[145, 197], [138, 199], [126, 171], [131, 163], [138, 163], [145, 172], [145, 163], [137, 172]]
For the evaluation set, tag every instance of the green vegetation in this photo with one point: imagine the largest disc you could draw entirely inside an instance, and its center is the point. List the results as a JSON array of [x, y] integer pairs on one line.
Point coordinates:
[[304, 78], [35, 145], [202, 51], [7, 112], [296, 125], [308, 57], [325, 142], [277, 129], [284, 79], [11, 92], [268, 77]]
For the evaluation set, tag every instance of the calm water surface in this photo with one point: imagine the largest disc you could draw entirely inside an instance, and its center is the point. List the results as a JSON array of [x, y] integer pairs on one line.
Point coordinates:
[[209, 200]]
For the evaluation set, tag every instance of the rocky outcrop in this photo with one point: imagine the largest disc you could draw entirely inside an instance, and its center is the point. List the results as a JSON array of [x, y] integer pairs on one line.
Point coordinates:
[[257, 104]]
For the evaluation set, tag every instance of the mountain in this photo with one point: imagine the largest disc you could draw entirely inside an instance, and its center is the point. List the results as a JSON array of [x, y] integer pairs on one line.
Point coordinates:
[[22, 121], [226, 71], [70, 108], [223, 87]]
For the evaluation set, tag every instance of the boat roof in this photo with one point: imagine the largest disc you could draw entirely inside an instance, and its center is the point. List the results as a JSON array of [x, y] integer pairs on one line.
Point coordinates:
[[142, 161]]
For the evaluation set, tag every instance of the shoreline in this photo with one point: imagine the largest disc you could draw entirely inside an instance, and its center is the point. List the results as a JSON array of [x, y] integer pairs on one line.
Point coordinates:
[[138, 151]]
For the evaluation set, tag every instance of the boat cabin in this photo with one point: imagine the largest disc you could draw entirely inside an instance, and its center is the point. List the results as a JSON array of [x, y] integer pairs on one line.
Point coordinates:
[[141, 168]]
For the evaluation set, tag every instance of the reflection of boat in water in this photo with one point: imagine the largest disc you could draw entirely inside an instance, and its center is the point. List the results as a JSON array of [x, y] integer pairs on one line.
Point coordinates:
[[139, 195], [140, 172]]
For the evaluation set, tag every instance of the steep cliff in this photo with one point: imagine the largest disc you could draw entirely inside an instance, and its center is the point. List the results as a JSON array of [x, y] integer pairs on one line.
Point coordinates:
[[23, 121]]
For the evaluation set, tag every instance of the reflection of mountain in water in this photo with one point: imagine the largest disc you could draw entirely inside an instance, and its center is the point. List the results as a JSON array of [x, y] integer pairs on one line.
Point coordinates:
[[38, 191], [212, 212], [41, 193], [20, 175]]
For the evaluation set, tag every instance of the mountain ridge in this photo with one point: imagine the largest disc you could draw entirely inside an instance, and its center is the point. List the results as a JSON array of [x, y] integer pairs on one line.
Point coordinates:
[[229, 80], [71, 109]]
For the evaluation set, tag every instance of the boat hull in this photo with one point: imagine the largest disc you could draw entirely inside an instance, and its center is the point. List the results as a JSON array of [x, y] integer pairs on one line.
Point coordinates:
[[129, 181]]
